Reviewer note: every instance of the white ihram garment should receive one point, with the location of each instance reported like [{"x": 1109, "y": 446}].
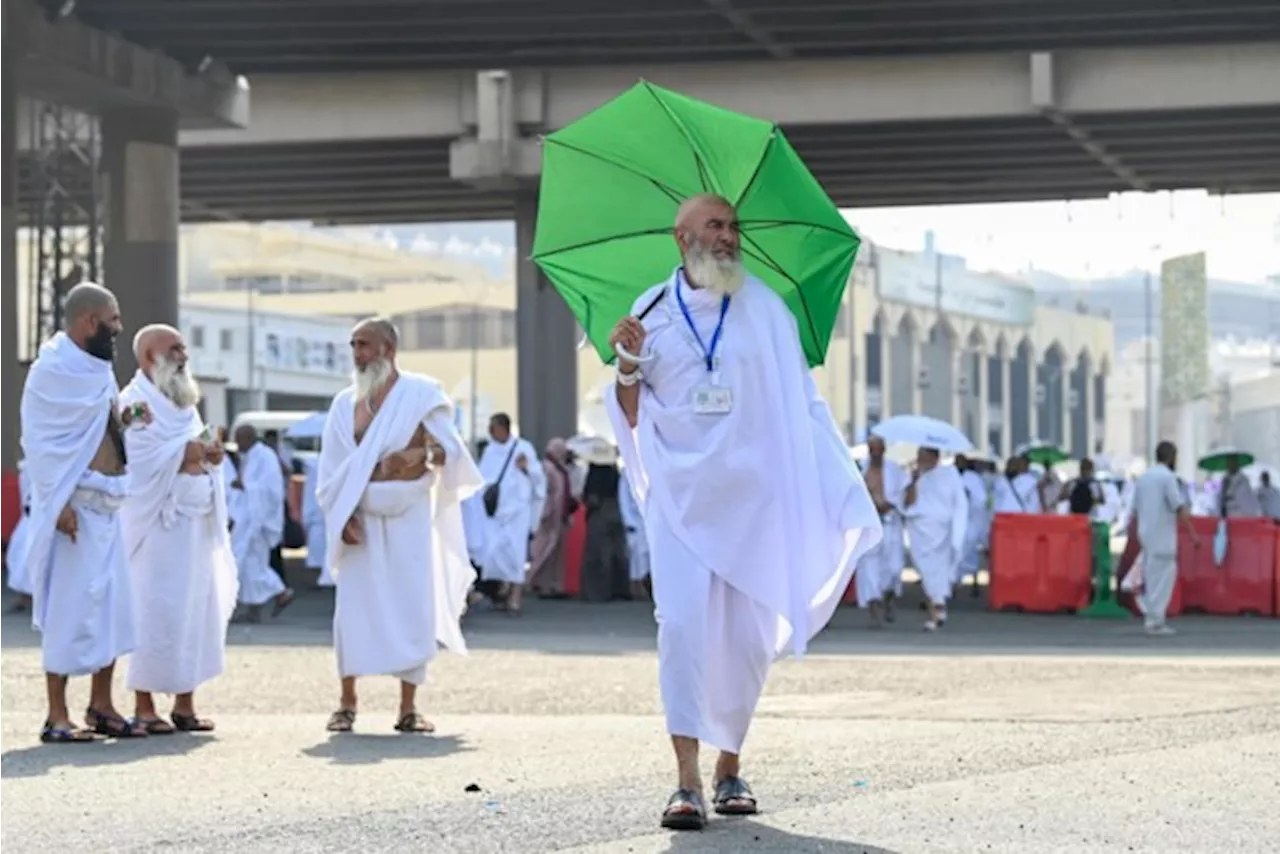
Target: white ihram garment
[
  {"x": 15, "y": 556},
  {"x": 880, "y": 569},
  {"x": 259, "y": 523},
  {"x": 747, "y": 559},
  {"x": 1018, "y": 495},
  {"x": 936, "y": 523},
  {"x": 403, "y": 590},
  {"x": 637, "y": 539},
  {"x": 978, "y": 525},
  {"x": 175, "y": 530},
  {"x": 81, "y": 601},
  {"x": 502, "y": 549},
  {"x": 313, "y": 522}
]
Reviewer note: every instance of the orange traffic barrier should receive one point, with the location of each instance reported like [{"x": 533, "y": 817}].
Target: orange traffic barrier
[
  {"x": 10, "y": 503},
  {"x": 1244, "y": 584},
  {"x": 1041, "y": 563},
  {"x": 575, "y": 546}
]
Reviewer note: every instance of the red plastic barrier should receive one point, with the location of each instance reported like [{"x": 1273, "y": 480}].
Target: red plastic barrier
[
  {"x": 575, "y": 544},
  {"x": 1244, "y": 584},
  {"x": 10, "y": 503},
  {"x": 1276, "y": 585},
  {"x": 1041, "y": 563}
]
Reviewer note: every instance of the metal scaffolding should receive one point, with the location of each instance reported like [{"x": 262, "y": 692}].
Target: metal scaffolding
[{"x": 63, "y": 220}]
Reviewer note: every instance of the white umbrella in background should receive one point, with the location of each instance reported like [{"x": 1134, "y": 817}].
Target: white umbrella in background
[
  {"x": 594, "y": 450},
  {"x": 923, "y": 432},
  {"x": 311, "y": 427}
]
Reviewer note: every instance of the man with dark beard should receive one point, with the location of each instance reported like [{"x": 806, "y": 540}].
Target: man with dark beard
[
  {"x": 73, "y": 444},
  {"x": 175, "y": 528}
]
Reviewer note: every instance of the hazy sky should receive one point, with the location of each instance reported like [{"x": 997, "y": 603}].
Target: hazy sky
[{"x": 1088, "y": 239}]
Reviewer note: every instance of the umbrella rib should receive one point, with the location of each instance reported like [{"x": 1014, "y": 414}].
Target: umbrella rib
[
  {"x": 764, "y": 155},
  {"x": 703, "y": 176},
  {"x": 764, "y": 258},
  {"x": 599, "y": 241},
  {"x": 670, "y": 192},
  {"x": 764, "y": 224}
]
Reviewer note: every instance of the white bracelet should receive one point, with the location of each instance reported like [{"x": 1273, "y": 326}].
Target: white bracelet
[{"x": 628, "y": 380}]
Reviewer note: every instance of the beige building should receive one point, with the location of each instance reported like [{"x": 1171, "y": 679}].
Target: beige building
[{"x": 977, "y": 351}]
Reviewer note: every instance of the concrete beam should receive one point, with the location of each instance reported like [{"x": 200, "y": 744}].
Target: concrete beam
[
  {"x": 411, "y": 104},
  {"x": 65, "y": 61}
]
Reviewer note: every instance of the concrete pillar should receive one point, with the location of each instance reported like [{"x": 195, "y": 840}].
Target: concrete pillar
[
  {"x": 141, "y": 195},
  {"x": 14, "y": 373},
  {"x": 1006, "y": 406},
  {"x": 546, "y": 352},
  {"x": 1090, "y": 435}
]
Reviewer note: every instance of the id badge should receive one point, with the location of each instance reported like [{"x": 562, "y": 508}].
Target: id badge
[{"x": 712, "y": 400}]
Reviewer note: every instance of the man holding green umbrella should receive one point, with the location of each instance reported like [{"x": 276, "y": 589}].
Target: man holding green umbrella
[{"x": 754, "y": 510}]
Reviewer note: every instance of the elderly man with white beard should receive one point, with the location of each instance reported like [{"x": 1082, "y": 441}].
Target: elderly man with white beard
[
  {"x": 392, "y": 475},
  {"x": 175, "y": 529},
  {"x": 754, "y": 510},
  {"x": 510, "y": 509},
  {"x": 257, "y": 525},
  {"x": 937, "y": 511},
  {"x": 73, "y": 445}
]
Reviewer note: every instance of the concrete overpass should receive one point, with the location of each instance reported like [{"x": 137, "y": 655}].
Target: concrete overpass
[{"x": 374, "y": 112}]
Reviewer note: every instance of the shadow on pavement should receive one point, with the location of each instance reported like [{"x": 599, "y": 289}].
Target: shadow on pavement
[
  {"x": 748, "y": 836},
  {"x": 40, "y": 759},
  {"x": 367, "y": 749}
]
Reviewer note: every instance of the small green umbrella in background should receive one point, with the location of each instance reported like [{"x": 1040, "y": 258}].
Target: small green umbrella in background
[
  {"x": 1042, "y": 452},
  {"x": 613, "y": 180},
  {"x": 1216, "y": 461}
]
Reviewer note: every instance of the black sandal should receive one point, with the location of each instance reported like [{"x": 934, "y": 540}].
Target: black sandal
[
  {"x": 342, "y": 720},
  {"x": 414, "y": 722},
  {"x": 685, "y": 811},
  {"x": 156, "y": 726},
  {"x": 733, "y": 797},
  {"x": 114, "y": 726},
  {"x": 191, "y": 723},
  {"x": 65, "y": 735},
  {"x": 278, "y": 608}
]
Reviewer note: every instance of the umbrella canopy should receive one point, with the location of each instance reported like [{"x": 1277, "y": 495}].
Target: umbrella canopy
[
  {"x": 595, "y": 450},
  {"x": 923, "y": 431},
  {"x": 311, "y": 427},
  {"x": 613, "y": 181},
  {"x": 1042, "y": 452},
  {"x": 1217, "y": 460}
]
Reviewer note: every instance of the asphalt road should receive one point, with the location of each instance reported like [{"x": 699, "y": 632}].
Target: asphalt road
[{"x": 1001, "y": 733}]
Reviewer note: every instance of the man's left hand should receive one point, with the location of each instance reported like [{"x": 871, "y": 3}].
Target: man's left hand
[
  {"x": 139, "y": 411},
  {"x": 522, "y": 462}
]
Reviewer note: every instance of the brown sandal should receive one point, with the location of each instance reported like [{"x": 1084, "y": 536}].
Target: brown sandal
[
  {"x": 191, "y": 723},
  {"x": 414, "y": 722},
  {"x": 156, "y": 726},
  {"x": 341, "y": 721}
]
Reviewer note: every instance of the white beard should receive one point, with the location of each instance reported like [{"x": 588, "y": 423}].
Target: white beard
[
  {"x": 370, "y": 380},
  {"x": 718, "y": 275},
  {"x": 176, "y": 383}
]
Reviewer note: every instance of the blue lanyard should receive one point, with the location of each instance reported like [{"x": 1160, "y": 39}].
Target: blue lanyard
[{"x": 707, "y": 354}]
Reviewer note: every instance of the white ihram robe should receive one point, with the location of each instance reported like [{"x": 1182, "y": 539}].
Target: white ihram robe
[
  {"x": 637, "y": 539},
  {"x": 403, "y": 590},
  {"x": 81, "y": 599},
  {"x": 936, "y": 523},
  {"x": 313, "y": 522},
  {"x": 977, "y": 527},
  {"x": 880, "y": 569},
  {"x": 755, "y": 517},
  {"x": 1018, "y": 495},
  {"x": 175, "y": 531},
  {"x": 501, "y": 542},
  {"x": 15, "y": 556},
  {"x": 259, "y": 523}
]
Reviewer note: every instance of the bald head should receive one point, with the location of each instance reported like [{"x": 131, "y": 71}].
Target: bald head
[
  {"x": 156, "y": 340},
  {"x": 162, "y": 356},
  {"x": 706, "y": 230},
  {"x": 373, "y": 351},
  {"x": 91, "y": 318}
]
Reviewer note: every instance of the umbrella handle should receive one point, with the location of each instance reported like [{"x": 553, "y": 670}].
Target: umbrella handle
[{"x": 631, "y": 357}]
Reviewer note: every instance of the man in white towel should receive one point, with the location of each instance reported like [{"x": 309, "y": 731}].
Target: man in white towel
[
  {"x": 878, "y": 579},
  {"x": 1019, "y": 491},
  {"x": 978, "y": 526},
  {"x": 257, "y": 526},
  {"x": 392, "y": 476},
  {"x": 313, "y": 522},
  {"x": 73, "y": 444},
  {"x": 15, "y": 552},
  {"x": 937, "y": 511},
  {"x": 175, "y": 531},
  {"x": 637, "y": 539},
  {"x": 754, "y": 509},
  {"x": 509, "y": 519}
]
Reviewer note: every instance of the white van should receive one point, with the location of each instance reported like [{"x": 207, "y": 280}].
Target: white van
[{"x": 262, "y": 421}]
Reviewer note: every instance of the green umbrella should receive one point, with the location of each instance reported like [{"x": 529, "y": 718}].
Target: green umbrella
[
  {"x": 1217, "y": 460},
  {"x": 1044, "y": 453},
  {"x": 613, "y": 180}
]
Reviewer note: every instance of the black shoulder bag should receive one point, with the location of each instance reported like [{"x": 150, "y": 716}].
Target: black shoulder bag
[{"x": 493, "y": 491}]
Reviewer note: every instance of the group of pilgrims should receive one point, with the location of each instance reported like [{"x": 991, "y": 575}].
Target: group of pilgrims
[{"x": 746, "y": 511}]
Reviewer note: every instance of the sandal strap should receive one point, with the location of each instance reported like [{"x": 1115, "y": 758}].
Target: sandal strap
[
  {"x": 733, "y": 789},
  {"x": 680, "y": 797},
  {"x": 347, "y": 715}
]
